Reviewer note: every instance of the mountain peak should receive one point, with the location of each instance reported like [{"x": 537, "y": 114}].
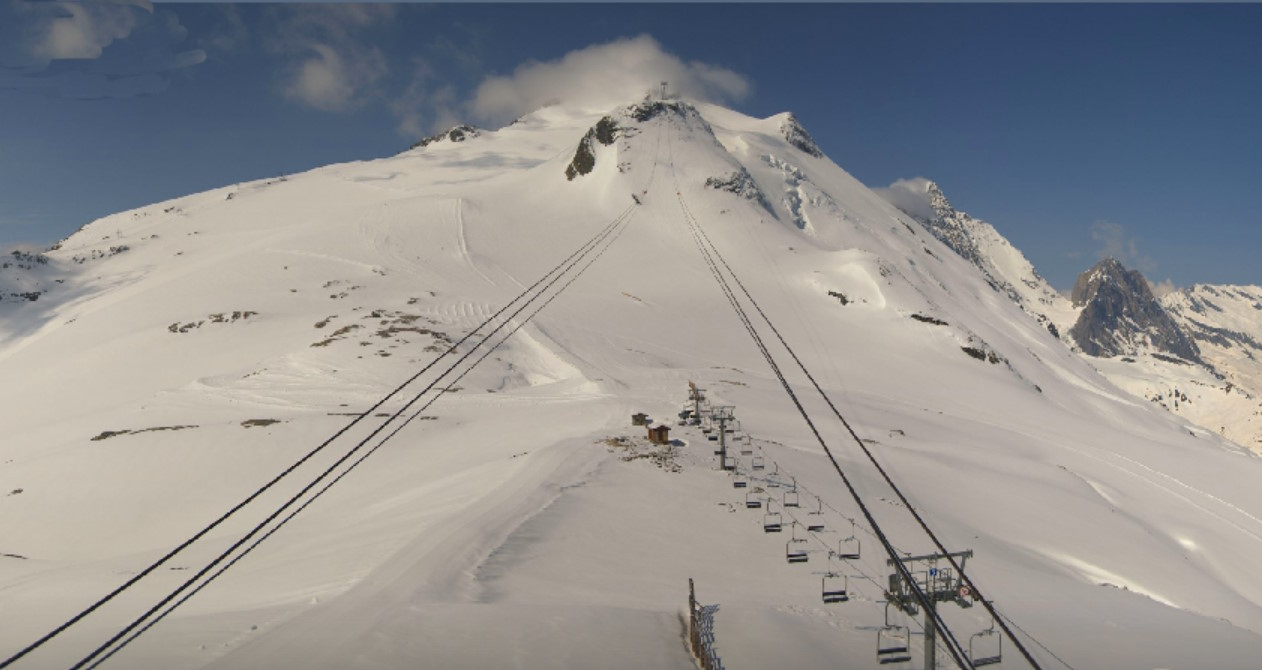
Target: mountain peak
[
  {"x": 797, "y": 136},
  {"x": 458, "y": 133},
  {"x": 921, "y": 198},
  {"x": 1121, "y": 316}
]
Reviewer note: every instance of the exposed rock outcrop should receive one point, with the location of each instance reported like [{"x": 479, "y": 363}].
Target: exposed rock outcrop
[
  {"x": 796, "y": 135},
  {"x": 1120, "y": 316},
  {"x": 458, "y": 133}
]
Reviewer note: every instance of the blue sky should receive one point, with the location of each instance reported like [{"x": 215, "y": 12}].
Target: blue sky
[{"x": 1076, "y": 130}]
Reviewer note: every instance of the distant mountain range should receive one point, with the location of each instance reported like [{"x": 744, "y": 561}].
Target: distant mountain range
[{"x": 1195, "y": 351}]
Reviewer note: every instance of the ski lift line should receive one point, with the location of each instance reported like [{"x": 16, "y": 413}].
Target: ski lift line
[
  {"x": 354, "y": 464},
  {"x": 956, "y": 650},
  {"x": 868, "y": 453},
  {"x": 624, "y": 217},
  {"x": 954, "y": 647},
  {"x": 584, "y": 249},
  {"x": 326, "y": 472}
]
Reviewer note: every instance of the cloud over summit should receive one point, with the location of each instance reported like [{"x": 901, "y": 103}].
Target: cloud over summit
[{"x": 601, "y": 76}]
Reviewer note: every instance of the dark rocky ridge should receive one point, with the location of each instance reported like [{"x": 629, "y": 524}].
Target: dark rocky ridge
[
  {"x": 458, "y": 133},
  {"x": 606, "y": 132},
  {"x": 798, "y": 137},
  {"x": 1120, "y": 316},
  {"x": 740, "y": 183},
  {"x": 957, "y": 230}
]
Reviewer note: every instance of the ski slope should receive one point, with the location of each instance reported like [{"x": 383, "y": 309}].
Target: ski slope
[{"x": 523, "y": 521}]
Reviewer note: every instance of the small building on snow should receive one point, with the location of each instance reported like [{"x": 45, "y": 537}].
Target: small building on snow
[{"x": 659, "y": 434}]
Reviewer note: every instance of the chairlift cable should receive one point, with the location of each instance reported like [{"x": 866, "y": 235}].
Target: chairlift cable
[
  {"x": 117, "y": 636},
  {"x": 617, "y": 224},
  {"x": 149, "y": 624},
  {"x": 885, "y": 475},
  {"x": 954, "y": 647},
  {"x": 288, "y": 470}
]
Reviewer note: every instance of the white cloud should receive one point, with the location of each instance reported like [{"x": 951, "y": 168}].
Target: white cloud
[
  {"x": 910, "y": 195},
  {"x": 333, "y": 80},
  {"x": 601, "y": 76},
  {"x": 84, "y": 30},
  {"x": 78, "y": 36},
  {"x": 1114, "y": 241},
  {"x": 331, "y": 65},
  {"x": 1162, "y": 288}
]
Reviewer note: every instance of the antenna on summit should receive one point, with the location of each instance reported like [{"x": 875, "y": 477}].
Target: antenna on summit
[{"x": 663, "y": 90}]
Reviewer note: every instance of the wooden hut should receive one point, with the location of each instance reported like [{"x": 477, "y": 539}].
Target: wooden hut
[
  {"x": 639, "y": 419},
  {"x": 659, "y": 434}
]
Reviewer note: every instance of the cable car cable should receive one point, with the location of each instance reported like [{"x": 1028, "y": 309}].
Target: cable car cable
[
  {"x": 954, "y": 646},
  {"x": 885, "y": 475},
  {"x": 306, "y": 457},
  {"x": 149, "y": 624},
  {"x": 117, "y": 636}
]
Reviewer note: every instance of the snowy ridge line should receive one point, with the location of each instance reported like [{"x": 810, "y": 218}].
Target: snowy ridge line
[
  {"x": 610, "y": 242},
  {"x": 622, "y": 218},
  {"x": 885, "y": 475},
  {"x": 572, "y": 259},
  {"x": 954, "y": 646}
]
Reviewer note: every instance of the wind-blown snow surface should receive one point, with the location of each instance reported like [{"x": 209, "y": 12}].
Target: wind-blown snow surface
[{"x": 508, "y": 529}]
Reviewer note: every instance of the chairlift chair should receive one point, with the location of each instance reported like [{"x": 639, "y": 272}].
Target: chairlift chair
[
  {"x": 758, "y": 463},
  {"x": 740, "y": 482},
  {"x": 815, "y": 520},
  {"x": 795, "y": 552},
  {"x": 747, "y": 445},
  {"x": 892, "y": 642},
  {"x": 772, "y": 522},
  {"x": 729, "y": 463},
  {"x": 834, "y": 588},
  {"x": 848, "y": 547},
  {"x": 985, "y": 647},
  {"x": 791, "y": 497},
  {"x": 752, "y": 501}
]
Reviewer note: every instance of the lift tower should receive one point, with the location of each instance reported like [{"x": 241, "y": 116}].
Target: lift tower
[
  {"x": 937, "y": 584},
  {"x": 723, "y": 415}
]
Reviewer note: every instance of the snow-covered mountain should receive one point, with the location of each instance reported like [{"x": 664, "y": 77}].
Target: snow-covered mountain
[
  {"x": 1005, "y": 268},
  {"x": 1120, "y": 316},
  {"x": 1149, "y": 347},
  {"x": 179, "y": 356}
]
